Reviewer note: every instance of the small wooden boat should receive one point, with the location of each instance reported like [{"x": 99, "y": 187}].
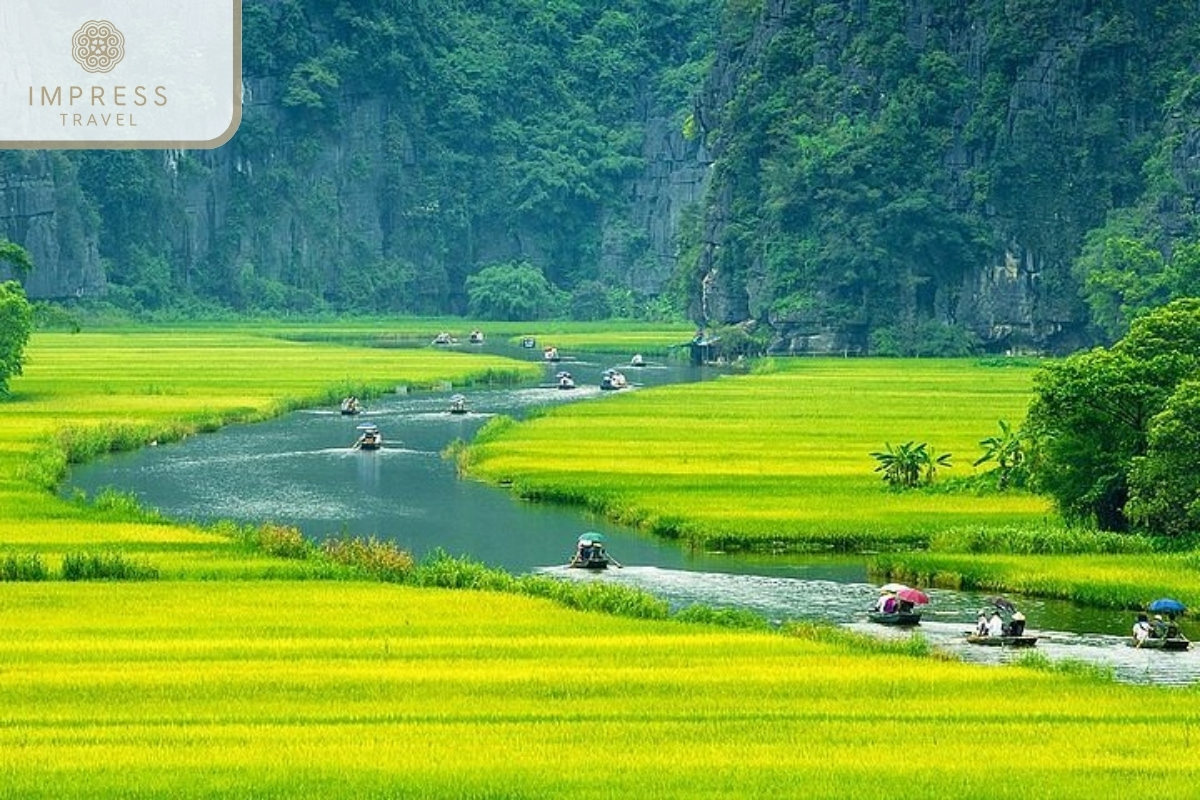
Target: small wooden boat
[
  {"x": 351, "y": 406},
  {"x": 590, "y": 553},
  {"x": 551, "y": 354},
  {"x": 529, "y": 343},
  {"x": 895, "y": 617},
  {"x": 590, "y": 561},
  {"x": 1002, "y": 641},
  {"x": 612, "y": 380},
  {"x": 637, "y": 360},
  {"x": 476, "y": 337},
  {"x": 443, "y": 338},
  {"x": 369, "y": 439},
  {"x": 1174, "y": 643},
  {"x": 458, "y": 404},
  {"x": 565, "y": 380}
]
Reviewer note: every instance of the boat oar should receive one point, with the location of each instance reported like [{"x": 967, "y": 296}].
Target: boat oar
[{"x": 614, "y": 561}]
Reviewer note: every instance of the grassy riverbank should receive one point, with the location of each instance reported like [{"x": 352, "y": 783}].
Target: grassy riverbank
[{"x": 235, "y": 673}]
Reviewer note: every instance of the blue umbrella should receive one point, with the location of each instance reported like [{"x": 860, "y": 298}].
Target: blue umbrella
[{"x": 1167, "y": 605}]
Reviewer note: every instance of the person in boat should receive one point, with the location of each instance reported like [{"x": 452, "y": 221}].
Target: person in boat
[
  {"x": 585, "y": 551},
  {"x": 1158, "y": 628},
  {"x": 1017, "y": 626},
  {"x": 1172, "y": 627},
  {"x": 995, "y": 626},
  {"x": 904, "y": 606},
  {"x": 981, "y": 625},
  {"x": 886, "y": 604},
  {"x": 1141, "y": 630}
]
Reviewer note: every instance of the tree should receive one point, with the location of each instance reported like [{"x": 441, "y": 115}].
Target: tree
[
  {"x": 1164, "y": 485},
  {"x": 16, "y": 323},
  {"x": 1091, "y": 414},
  {"x": 590, "y": 301},
  {"x": 17, "y": 257},
  {"x": 516, "y": 290}
]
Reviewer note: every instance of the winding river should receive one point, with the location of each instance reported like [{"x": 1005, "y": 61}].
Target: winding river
[{"x": 301, "y": 469}]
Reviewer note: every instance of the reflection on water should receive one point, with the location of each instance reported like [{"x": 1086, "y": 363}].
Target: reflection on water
[{"x": 300, "y": 470}]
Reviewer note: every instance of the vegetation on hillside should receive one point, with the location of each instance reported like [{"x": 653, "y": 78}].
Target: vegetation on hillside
[
  {"x": 909, "y": 178},
  {"x": 879, "y": 166},
  {"x": 473, "y": 135}
]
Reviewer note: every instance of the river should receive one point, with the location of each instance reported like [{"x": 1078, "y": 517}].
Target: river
[{"x": 300, "y": 469}]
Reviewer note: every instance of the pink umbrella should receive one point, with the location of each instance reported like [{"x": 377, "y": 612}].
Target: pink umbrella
[{"x": 914, "y": 596}]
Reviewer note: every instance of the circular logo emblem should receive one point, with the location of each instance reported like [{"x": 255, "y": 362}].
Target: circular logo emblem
[{"x": 98, "y": 46}]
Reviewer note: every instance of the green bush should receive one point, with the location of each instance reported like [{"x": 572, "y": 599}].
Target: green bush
[
  {"x": 609, "y": 598},
  {"x": 445, "y": 571},
  {"x": 23, "y": 568},
  {"x": 724, "y": 617},
  {"x": 105, "y": 567},
  {"x": 283, "y": 541},
  {"x": 379, "y": 559}
]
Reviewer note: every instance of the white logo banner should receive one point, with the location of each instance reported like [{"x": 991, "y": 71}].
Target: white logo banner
[{"x": 119, "y": 73}]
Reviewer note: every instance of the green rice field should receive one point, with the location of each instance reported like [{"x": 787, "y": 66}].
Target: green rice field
[
  {"x": 238, "y": 674},
  {"x": 778, "y": 459}
]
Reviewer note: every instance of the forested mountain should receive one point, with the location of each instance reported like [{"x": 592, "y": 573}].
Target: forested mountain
[
  {"x": 893, "y": 176},
  {"x": 922, "y": 175}
]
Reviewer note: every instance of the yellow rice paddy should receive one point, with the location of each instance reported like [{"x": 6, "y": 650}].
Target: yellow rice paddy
[{"x": 220, "y": 681}]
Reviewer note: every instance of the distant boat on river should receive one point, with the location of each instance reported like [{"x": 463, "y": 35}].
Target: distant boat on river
[
  {"x": 369, "y": 438},
  {"x": 565, "y": 380},
  {"x": 458, "y": 404},
  {"x": 350, "y": 406},
  {"x": 895, "y": 617},
  {"x": 613, "y": 379},
  {"x": 590, "y": 553},
  {"x": 1002, "y": 641},
  {"x": 1174, "y": 643}
]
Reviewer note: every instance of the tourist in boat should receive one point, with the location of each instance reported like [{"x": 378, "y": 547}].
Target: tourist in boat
[
  {"x": 1141, "y": 630},
  {"x": 1172, "y": 626},
  {"x": 981, "y": 625},
  {"x": 1158, "y": 628},
  {"x": 1017, "y": 626},
  {"x": 995, "y": 626},
  {"x": 886, "y": 604}
]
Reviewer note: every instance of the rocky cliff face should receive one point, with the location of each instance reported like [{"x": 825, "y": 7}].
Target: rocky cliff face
[{"x": 42, "y": 209}]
